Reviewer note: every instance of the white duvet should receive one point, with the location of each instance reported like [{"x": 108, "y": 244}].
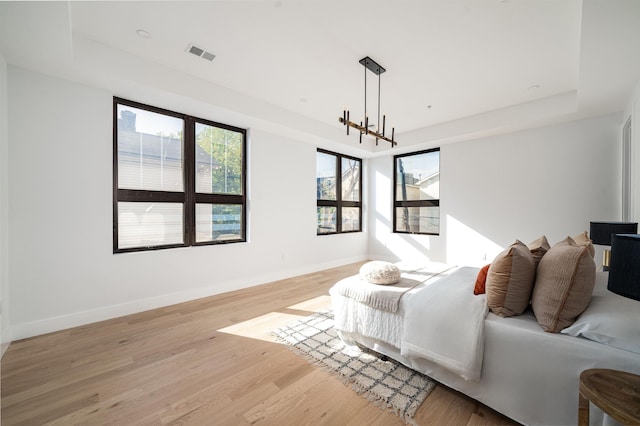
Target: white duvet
[{"x": 444, "y": 323}]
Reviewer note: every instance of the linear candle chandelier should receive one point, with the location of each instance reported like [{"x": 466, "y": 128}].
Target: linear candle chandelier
[{"x": 363, "y": 129}]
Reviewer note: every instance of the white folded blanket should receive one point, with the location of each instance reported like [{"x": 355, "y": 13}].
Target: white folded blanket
[
  {"x": 444, "y": 322},
  {"x": 387, "y": 297}
]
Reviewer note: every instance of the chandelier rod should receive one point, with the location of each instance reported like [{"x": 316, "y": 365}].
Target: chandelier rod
[
  {"x": 366, "y": 117},
  {"x": 378, "y": 124}
]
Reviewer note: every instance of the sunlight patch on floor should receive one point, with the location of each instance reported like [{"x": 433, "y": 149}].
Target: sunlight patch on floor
[
  {"x": 260, "y": 327},
  {"x": 316, "y": 304}
]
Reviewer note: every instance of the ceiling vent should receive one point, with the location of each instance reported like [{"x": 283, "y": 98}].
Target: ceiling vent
[{"x": 198, "y": 51}]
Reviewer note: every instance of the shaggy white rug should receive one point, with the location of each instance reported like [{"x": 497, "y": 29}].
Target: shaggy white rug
[{"x": 381, "y": 380}]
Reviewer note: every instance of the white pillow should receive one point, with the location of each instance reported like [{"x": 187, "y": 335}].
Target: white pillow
[
  {"x": 380, "y": 272},
  {"x": 609, "y": 319}
]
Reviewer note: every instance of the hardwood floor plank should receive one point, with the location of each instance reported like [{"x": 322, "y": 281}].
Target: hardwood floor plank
[
  {"x": 207, "y": 361},
  {"x": 445, "y": 406},
  {"x": 100, "y": 408}
]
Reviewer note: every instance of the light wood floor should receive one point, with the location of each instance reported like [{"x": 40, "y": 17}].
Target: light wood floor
[{"x": 206, "y": 362}]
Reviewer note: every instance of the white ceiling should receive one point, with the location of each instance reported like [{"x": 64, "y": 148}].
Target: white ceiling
[{"x": 454, "y": 67}]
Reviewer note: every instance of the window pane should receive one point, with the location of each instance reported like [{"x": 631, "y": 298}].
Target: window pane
[
  {"x": 418, "y": 177},
  {"x": 350, "y": 219},
  {"x": 350, "y": 179},
  {"x": 326, "y": 220},
  {"x": 149, "y": 224},
  {"x": 218, "y": 160},
  {"x": 325, "y": 176},
  {"x": 424, "y": 220},
  {"x": 149, "y": 150},
  {"x": 218, "y": 222}
]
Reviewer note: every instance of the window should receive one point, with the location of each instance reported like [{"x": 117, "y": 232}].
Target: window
[
  {"x": 416, "y": 208},
  {"x": 177, "y": 180},
  {"x": 339, "y": 193}
]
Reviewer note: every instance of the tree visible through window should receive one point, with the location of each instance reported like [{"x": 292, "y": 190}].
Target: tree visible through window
[
  {"x": 338, "y": 193},
  {"x": 417, "y": 193},
  {"x": 178, "y": 180}
]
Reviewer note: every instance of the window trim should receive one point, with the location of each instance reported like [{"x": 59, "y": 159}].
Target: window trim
[
  {"x": 411, "y": 203},
  {"x": 338, "y": 203},
  {"x": 188, "y": 197}
]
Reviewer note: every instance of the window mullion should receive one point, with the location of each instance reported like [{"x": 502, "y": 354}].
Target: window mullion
[
  {"x": 218, "y": 198},
  {"x": 351, "y": 204},
  {"x": 417, "y": 203},
  {"x": 338, "y": 193},
  {"x": 149, "y": 196},
  {"x": 114, "y": 160},
  {"x": 188, "y": 144}
]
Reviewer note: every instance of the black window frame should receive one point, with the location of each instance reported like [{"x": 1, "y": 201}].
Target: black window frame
[
  {"x": 338, "y": 203},
  {"x": 411, "y": 203},
  {"x": 188, "y": 197}
]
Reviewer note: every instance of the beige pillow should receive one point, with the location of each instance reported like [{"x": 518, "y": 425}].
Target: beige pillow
[
  {"x": 583, "y": 239},
  {"x": 564, "y": 283},
  {"x": 380, "y": 272},
  {"x": 538, "y": 248},
  {"x": 510, "y": 280}
]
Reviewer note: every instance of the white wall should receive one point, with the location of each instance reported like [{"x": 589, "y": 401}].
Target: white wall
[
  {"x": 552, "y": 180},
  {"x": 5, "y": 336},
  {"x": 63, "y": 272}
]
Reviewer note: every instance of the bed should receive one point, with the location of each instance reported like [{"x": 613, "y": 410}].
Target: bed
[{"x": 521, "y": 371}]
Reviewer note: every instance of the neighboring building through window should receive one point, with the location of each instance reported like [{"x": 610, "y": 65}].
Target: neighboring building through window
[
  {"x": 177, "y": 180},
  {"x": 338, "y": 193},
  {"x": 417, "y": 192}
]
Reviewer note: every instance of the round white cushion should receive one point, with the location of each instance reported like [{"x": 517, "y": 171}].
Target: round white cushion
[{"x": 380, "y": 272}]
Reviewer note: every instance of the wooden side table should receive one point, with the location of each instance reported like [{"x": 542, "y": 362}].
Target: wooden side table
[{"x": 617, "y": 393}]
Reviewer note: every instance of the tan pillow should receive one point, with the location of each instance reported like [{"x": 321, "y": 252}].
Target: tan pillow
[
  {"x": 510, "y": 280},
  {"x": 538, "y": 248},
  {"x": 564, "y": 284},
  {"x": 583, "y": 239}
]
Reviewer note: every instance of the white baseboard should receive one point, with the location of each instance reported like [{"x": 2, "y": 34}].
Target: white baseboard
[
  {"x": 63, "y": 322},
  {"x": 5, "y": 336}
]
